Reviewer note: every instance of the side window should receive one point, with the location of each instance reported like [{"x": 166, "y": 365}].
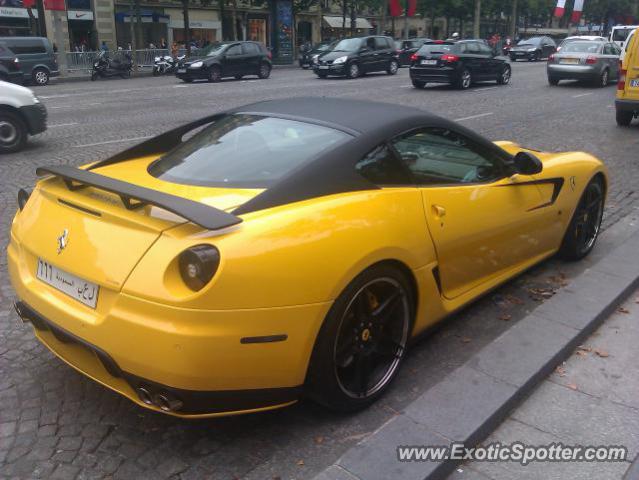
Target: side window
[
  {"x": 472, "y": 47},
  {"x": 250, "y": 49},
  {"x": 29, "y": 47},
  {"x": 234, "y": 50},
  {"x": 437, "y": 156},
  {"x": 381, "y": 167},
  {"x": 370, "y": 43},
  {"x": 485, "y": 50}
]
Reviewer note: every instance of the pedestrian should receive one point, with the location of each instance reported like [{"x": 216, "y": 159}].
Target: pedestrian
[
  {"x": 163, "y": 44},
  {"x": 174, "y": 50},
  {"x": 104, "y": 47}
]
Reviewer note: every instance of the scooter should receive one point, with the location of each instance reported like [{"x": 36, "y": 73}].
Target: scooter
[
  {"x": 106, "y": 67},
  {"x": 166, "y": 64}
]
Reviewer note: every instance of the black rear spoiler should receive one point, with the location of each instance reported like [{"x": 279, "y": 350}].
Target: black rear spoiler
[{"x": 133, "y": 197}]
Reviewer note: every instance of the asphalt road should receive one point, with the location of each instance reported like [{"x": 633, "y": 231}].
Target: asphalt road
[{"x": 54, "y": 423}]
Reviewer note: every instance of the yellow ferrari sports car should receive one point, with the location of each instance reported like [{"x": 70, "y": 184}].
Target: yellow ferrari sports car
[{"x": 283, "y": 249}]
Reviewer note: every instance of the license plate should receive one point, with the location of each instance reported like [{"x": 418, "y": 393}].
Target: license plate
[
  {"x": 75, "y": 287},
  {"x": 634, "y": 83},
  {"x": 569, "y": 61},
  {"x": 181, "y": 70},
  {"x": 428, "y": 62},
  {"x": 323, "y": 67}
]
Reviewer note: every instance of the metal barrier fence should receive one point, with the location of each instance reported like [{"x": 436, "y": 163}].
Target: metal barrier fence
[{"x": 78, "y": 62}]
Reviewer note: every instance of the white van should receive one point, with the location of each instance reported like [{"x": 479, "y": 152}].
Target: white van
[
  {"x": 624, "y": 48},
  {"x": 21, "y": 114},
  {"x": 619, "y": 34}
]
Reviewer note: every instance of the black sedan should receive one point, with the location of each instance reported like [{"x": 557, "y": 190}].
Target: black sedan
[
  {"x": 533, "y": 49},
  {"x": 233, "y": 59},
  {"x": 306, "y": 56},
  {"x": 457, "y": 63}
]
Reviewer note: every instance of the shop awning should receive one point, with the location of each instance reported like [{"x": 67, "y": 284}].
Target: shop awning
[
  {"x": 336, "y": 22},
  {"x": 145, "y": 15}
]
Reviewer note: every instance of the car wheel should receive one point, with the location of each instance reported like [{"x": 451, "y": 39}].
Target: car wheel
[
  {"x": 353, "y": 70},
  {"x": 265, "y": 71},
  {"x": 40, "y": 77},
  {"x": 363, "y": 340},
  {"x": 239, "y": 77},
  {"x": 215, "y": 74},
  {"x": 553, "y": 81},
  {"x": 13, "y": 132},
  {"x": 393, "y": 66},
  {"x": 604, "y": 79},
  {"x": 418, "y": 84},
  {"x": 504, "y": 78},
  {"x": 465, "y": 79},
  {"x": 584, "y": 227},
  {"x": 322, "y": 74},
  {"x": 94, "y": 76},
  {"x": 624, "y": 118}
]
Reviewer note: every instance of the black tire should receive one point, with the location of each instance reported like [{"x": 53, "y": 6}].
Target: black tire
[
  {"x": 604, "y": 79},
  {"x": 553, "y": 81},
  {"x": 585, "y": 224},
  {"x": 342, "y": 371},
  {"x": 624, "y": 119},
  {"x": 215, "y": 74},
  {"x": 264, "y": 71},
  {"x": 353, "y": 70},
  {"x": 393, "y": 66},
  {"x": 13, "y": 132},
  {"x": 187, "y": 80},
  {"x": 239, "y": 77},
  {"x": 418, "y": 83},
  {"x": 94, "y": 76},
  {"x": 504, "y": 76},
  {"x": 40, "y": 77},
  {"x": 465, "y": 80}
]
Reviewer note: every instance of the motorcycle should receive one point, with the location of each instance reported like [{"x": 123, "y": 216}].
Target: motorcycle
[
  {"x": 166, "y": 64},
  {"x": 105, "y": 67}
]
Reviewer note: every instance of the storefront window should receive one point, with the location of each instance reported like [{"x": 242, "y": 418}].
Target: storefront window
[{"x": 257, "y": 30}]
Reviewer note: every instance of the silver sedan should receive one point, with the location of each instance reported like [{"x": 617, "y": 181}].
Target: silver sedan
[{"x": 593, "y": 61}]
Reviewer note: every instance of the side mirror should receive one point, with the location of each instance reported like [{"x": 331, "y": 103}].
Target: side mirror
[
  {"x": 527, "y": 164},
  {"x": 363, "y": 49}
]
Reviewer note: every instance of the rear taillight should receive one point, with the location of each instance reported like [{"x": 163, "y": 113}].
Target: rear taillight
[
  {"x": 198, "y": 264},
  {"x": 438, "y": 42},
  {"x": 413, "y": 57},
  {"x": 591, "y": 60},
  {"x": 621, "y": 83},
  {"x": 449, "y": 58},
  {"x": 270, "y": 55}
]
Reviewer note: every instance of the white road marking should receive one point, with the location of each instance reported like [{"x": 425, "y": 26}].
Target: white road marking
[
  {"x": 62, "y": 125},
  {"x": 113, "y": 141},
  {"x": 180, "y": 86},
  {"x": 582, "y": 95},
  {"x": 483, "y": 89},
  {"x": 473, "y": 116}
]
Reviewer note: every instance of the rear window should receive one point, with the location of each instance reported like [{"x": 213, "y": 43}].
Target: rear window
[
  {"x": 582, "y": 47},
  {"x": 440, "y": 48},
  {"x": 621, "y": 34},
  {"x": 245, "y": 151}
]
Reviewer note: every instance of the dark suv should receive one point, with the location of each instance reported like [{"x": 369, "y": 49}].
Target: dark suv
[
  {"x": 9, "y": 65},
  {"x": 458, "y": 63},
  {"x": 36, "y": 56},
  {"x": 353, "y": 57},
  {"x": 229, "y": 59}
]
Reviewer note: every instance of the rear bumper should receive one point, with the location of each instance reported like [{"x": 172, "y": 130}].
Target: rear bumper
[
  {"x": 576, "y": 72},
  {"x": 627, "y": 105},
  {"x": 35, "y": 117},
  {"x": 215, "y": 362},
  {"x": 433, "y": 75}
]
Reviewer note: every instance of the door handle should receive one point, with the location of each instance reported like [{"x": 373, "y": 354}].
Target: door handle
[{"x": 439, "y": 213}]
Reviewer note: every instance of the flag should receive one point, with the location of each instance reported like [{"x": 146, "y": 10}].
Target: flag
[
  {"x": 395, "y": 8},
  {"x": 54, "y": 5},
  {"x": 576, "y": 11},
  {"x": 560, "y": 8},
  {"x": 412, "y": 8}
]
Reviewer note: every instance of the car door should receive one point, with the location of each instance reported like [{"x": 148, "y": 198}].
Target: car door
[
  {"x": 232, "y": 63},
  {"x": 548, "y": 47},
  {"x": 252, "y": 57},
  {"x": 482, "y": 220},
  {"x": 473, "y": 60},
  {"x": 383, "y": 53},
  {"x": 368, "y": 55},
  {"x": 488, "y": 62}
]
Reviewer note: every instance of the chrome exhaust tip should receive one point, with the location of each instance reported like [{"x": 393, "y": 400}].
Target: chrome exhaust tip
[
  {"x": 167, "y": 404},
  {"x": 144, "y": 395}
]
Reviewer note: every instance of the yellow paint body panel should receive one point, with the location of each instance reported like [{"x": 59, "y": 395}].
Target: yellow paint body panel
[
  {"x": 631, "y": 65},
  {"x": 280, "y": 271}
]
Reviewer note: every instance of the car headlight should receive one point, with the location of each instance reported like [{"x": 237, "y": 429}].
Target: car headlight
[
  {"x": 531, "y": 50},
  {"x": 340, "y": 60},
  {"x": 198, "y": 264},
  {"x": 196, "y": 65},
  {"x": 35, "y": 99},
  {"x": 315, "y": 58}
]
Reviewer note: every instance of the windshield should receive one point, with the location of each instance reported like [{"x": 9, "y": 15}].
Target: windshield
[
  {"x": 322, "y": 47},
  {"x": 213, "y": 49},
  {"x": 530, "y": 41},
  {"x": 245, "y": 151},
  {"x": 347, "y": 45},
  {"x": 582, "y": 47},
  {"x": 620, "y": 34}
]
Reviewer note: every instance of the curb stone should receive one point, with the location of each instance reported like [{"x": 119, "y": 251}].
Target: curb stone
[{"x": 472, "y": 401}]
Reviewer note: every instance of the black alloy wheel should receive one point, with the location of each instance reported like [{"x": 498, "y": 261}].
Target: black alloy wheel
[
  {"x": 352, "y": 70},
  {"x": 264, "y": 71},
  {"x": 393, "y": 66},
  {"x": 465, "y": 80},
  {"x": 215, "y": 73},
  {"x": 584, "y": 227},
  {"x": 13, "y": 132},
  {"x": 363, "y": 340},
  {"x": 504, "y": 77},
  {"x": 604, "y": 78},
  {"x": 40, "y": 77}
]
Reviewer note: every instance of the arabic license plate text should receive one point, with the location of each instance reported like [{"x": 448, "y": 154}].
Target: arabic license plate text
[{"x": 75, "y": 287}]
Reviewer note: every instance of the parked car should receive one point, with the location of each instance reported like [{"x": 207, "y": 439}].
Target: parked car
[
  {"x": 594, "y": 61},
  {"x": 228, "y": 59},
  {"x": 352, "y": 57},
  {"x": 406, "y": 48},
  {"x": 533, "y": 49},
  {"x": 306, "y": 56},
  {"x": 619, "y": 33},
  {"x": 580, "y": 38},
  {"x": 9, "y": 65},
  {"x": 21, "y": 115},
  {"x": 311, "y": 239},
  {"x": 36, "y": 56},
  {"x": 627, "y": 101},
  {"x": 458, "y": 63}
]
